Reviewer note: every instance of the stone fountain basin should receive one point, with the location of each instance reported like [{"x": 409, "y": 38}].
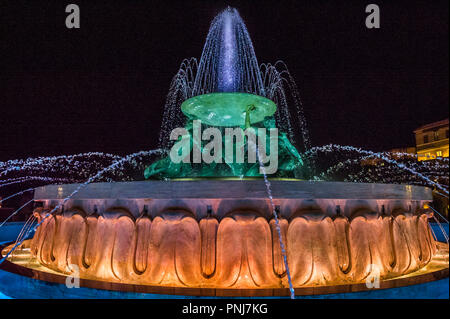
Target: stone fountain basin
[
  {"x": 226, "y": 195},
  {"x": 220, "y": 234}
]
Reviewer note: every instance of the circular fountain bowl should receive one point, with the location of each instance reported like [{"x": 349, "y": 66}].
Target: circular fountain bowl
[
  {"x": 219, "y": 237},
  {"x": 227, "y": 109}
]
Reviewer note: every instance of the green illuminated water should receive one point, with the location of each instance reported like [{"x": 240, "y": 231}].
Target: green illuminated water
[{"x": 228, "y": 109}]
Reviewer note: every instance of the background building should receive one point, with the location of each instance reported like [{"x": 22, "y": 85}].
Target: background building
[{"x": 432, "y": 140}]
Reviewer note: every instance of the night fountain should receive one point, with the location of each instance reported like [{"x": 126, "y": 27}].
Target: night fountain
[{"x": 230, "y": 229}]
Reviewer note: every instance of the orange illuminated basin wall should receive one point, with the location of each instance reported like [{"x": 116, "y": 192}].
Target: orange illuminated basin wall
[{"x": 221, "y": 234}]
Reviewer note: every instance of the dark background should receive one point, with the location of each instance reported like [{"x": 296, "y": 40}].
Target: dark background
[{"x": 103, "y": 87}]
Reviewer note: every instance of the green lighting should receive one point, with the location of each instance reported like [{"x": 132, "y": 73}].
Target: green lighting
[{"x": 228, "y": 109}]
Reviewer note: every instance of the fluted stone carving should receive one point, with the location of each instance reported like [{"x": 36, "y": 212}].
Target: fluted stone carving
[{"x": 240, "y": 249}]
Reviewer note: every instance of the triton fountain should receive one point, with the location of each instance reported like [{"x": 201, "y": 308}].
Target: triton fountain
[{"x": 228, "y": 228}]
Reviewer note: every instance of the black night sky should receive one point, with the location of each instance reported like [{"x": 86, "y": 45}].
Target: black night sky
[{"x": 103, "y": 87}]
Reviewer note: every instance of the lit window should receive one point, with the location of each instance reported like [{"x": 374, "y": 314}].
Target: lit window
[
  {"x": 439, "y": 153},
  {"x": 436, "y": 135}
]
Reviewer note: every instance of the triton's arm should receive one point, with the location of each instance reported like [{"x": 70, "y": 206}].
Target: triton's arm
[{"x": 249, "y": 108}]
